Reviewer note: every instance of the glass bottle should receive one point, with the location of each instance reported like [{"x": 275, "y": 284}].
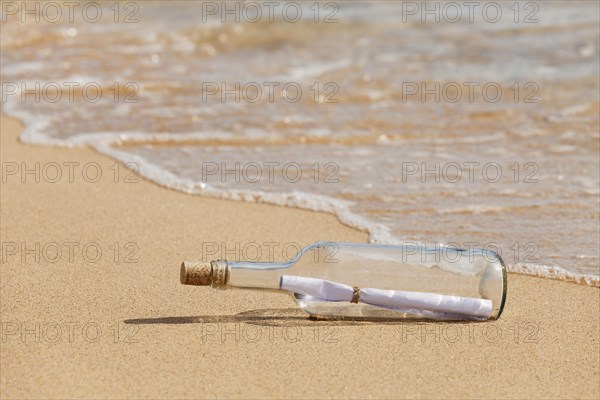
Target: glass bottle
[{"x": 354, "y": 280}]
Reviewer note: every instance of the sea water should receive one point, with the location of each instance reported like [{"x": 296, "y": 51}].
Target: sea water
[{"x": 425, "y": 122}]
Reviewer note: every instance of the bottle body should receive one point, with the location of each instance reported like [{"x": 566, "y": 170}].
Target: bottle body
[{"x": 353, "y": 280}]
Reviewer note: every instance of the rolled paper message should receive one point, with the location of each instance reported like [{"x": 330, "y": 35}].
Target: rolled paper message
[
  {"x": 320, "y": 288},
  {"x": 394, "y": 299}
]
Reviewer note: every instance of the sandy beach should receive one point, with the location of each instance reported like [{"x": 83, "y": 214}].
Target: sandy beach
[{"x": 80, "y": 324}]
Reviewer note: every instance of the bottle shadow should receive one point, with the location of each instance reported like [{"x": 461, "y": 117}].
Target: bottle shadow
[{"x": 279, "y": 317}]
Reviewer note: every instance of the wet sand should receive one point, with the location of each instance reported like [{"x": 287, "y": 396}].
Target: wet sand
[{"x": 120, "y": 325}]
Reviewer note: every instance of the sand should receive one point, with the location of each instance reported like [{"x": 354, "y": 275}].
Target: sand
[{"x": 124, "y": 327}]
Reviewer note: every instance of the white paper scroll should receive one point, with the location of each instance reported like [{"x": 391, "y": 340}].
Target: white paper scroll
[{"x": 392, "y": 299}]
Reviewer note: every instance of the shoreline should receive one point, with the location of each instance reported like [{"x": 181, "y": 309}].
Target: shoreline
[
  {"x": 159, "y": 339},
  {"x": 298, "y": 200}
]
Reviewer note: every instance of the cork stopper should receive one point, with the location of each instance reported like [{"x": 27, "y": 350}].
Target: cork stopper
[{"x": 196, "y": 273}]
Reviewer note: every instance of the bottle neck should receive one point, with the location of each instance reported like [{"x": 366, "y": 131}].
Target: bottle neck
[
  {"x": 256, "y": 275},
  {"x": 222, "y": 274}
]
